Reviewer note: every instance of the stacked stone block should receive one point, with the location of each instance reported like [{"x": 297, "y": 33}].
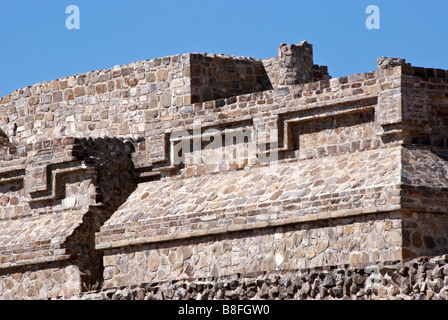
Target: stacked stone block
[
  {"x": 324, "y": 172},
  {"x": 418, "y": 279}
]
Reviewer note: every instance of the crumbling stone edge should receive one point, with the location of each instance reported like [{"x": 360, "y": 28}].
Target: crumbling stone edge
[{"x": 423, "y": 278}]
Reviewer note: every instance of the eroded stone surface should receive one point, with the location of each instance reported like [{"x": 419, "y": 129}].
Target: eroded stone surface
[
  {"x": 418, "y": 279},
  {"x": 286, "y": 169}
]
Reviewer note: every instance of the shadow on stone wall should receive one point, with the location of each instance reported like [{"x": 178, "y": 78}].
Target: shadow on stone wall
[{"x": 114, "y": 182}]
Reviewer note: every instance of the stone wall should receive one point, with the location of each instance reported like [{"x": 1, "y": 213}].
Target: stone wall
[
  {"x": 95, "y": 102},
  {"x": 354, "y": 241},
  {"x": 424, "y": 234},
  {"x": 56, "y": 280},
  {"x": 215, "y": 77},
  {"x": 201, "y": 166},
  {"x": 419, "y": 279},
  {"x": 123, "y": 101},
  {"x": 343, "y": 241},
  {"x": 294, "y": 65}
]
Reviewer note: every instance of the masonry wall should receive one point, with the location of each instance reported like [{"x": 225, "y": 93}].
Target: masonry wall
[
  {"x": 341, "y": 129},
  {"x": 57, "y": 280},
  {"x": 354, "y": 124},
  {"x": 267, "y": 113},
  {"x": 425, "y": 105},
  {"x": 62, "y": 172},
  {"x": 418, "y": 279},
  {"x": 424, "y": 234},
  {"x": 321, "y": 172},
  {"x": 122, "y": 101},
  {"x": 51, "y": 211},
  {"x": 351, "y": 241},
  {"x": 294, "y": 65},
  {"x": 215, "y": 77}
]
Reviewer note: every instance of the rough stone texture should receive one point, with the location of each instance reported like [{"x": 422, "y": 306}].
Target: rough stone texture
[
  {"x": 419, "y": 279},
  {"x": 294, "y": 65},
  {"x": 55, "y": 280},
  {"x": 310, "y": 244},
  {"x": 56, "y": 215},
  {"x": 204, "y": 166}
]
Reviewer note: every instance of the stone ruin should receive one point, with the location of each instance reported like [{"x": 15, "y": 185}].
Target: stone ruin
[{"x": 203, "y": 166}]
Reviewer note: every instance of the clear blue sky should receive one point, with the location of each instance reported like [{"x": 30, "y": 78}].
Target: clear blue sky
[{"x": 35, "y": 44}]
